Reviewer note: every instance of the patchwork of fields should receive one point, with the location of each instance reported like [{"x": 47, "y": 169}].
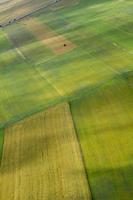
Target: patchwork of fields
[
  {"x": 102, "y": 48},
  {"x": 72, "y": 52}
]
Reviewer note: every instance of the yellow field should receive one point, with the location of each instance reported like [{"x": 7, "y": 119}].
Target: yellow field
[{"x": 42, "y": 160}]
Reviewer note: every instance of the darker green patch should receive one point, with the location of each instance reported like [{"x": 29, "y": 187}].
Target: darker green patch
[
  {"x": 19, "y": 35},
  {"x": 103, "y": 120},
  {"x": 112, "y": 183},
  {"x": 124, "y": 79}
]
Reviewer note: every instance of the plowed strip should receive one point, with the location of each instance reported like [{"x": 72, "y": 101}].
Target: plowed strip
[
  {"x": 57, "y": 43},
  {"x": 42, "y": 160}
]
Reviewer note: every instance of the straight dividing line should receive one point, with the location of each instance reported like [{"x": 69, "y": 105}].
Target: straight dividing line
[
  {"x": 63, "y": 98},
  {"x": 20, "y": 53},
  {"x": 26, "y": 60},
  {"x": 69, "y": 98},
  {"x": 31, "y": 13},
  {"x": 43, "y": 77},
  {"x": 60, "y": 98},
  {"x": 25, "y": 115},
  {"x": 81, "y": 153},
  {"x": 49, "y": 82},
  {"x": 1, "y": 156}
]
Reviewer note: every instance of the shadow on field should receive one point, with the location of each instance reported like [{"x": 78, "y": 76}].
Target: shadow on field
[
  {"x": 115, "y": 183},
  {"x": 117, "y": 83},
  {"x": 116, "y": 128},
  {"x": 69, "y": 197},
  {"x": 28, "y": 150},
  {"x": 121, "y": 32},
  {"x": 19, "y": 36}
]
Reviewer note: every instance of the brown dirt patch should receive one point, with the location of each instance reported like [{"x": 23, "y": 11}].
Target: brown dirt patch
[{"x": 57, "y": 43}]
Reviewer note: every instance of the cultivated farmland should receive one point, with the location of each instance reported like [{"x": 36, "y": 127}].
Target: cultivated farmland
[
  {"x": 55, "y": 53},
  {"x": 10, "y": 10},
  {"x": 102, "y": 49},
  {"x": 104, "y": 123},
  {"x": 42, "y": 159},
  {"x": 49, "y": 38}
]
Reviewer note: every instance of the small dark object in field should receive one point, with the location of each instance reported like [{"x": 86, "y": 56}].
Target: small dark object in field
[{"x": 65, "y": 45}]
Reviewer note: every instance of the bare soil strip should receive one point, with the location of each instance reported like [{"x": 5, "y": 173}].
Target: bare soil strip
[
  {"x": 57, "y": 43},
  {"x": 42, "y": 160}
]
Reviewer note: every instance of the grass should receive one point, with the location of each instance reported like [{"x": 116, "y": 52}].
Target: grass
[
  {"x": 42, "y": 158},
  {"x": 103, "y": 49},
  {"x": 104, "y": 124}
]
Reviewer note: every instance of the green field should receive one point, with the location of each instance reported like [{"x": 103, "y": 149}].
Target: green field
[
  {"x": 81, "y": 52},
  {"x": 104, "y": 124},
  {"x": 101, "y": 51}
]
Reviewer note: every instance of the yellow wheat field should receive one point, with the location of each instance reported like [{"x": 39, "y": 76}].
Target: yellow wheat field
[{"x": 42, "y": 160}]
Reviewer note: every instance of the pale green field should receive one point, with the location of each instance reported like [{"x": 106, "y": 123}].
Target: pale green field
[{"x": 104, "y": 124}]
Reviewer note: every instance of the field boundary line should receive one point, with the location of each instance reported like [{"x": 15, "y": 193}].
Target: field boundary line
[
  {"x": 61, "y": 99},
  {"x": 81, "y": 152},
  {"x": 20, "y": 53},
  {"x": 2, "y": 131},
  {"x": 31, "y": 13},
  {"x": 49, "y": 82}
]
